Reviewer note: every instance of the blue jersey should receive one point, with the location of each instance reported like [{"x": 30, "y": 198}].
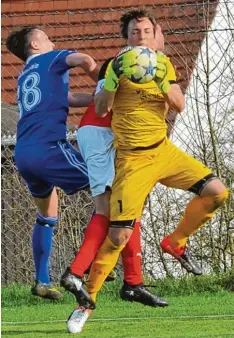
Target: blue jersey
[{"x": 43, "y": 98}]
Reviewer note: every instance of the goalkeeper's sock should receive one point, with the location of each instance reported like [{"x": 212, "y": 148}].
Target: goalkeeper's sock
[
  {"x": 104, "y": 262},
  {"x": 42, "y": 239},
  {"x": 199, "y": 210},
  {"x": 95, "y": 234},
  {"x": 131, "y": 257}
]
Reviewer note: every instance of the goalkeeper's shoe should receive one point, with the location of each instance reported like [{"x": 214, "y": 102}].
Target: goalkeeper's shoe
[
  {"x": 182, "y": 255},
  {"x": 46, "y": 291},
  {"x": 74, "y": 284},
  {"x": 139, "y": 293},
  {"x": 77, "y": 319}
]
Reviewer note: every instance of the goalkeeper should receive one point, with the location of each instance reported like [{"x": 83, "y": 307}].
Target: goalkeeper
[{"x": 145, "y": 156}]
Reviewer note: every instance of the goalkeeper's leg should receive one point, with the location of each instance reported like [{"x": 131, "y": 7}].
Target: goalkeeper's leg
[
  {"x": 133, "y": 289},
  {"x": 108, "y": 255},
  {"x": 119, "y": 234},
  {"x": 95, "y": 234},
  {"x": 199, "y": 210}
]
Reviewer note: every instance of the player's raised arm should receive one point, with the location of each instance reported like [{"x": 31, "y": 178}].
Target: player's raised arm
[
  {"x": 108, "y": 83},
  {"x": 84, "y": 61},
  {"x": 103, "y": 102},
  {"x": 79, "y": 100}
]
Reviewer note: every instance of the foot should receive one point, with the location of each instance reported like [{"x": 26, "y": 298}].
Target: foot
[
  {"x": 74, "y": 284},
  {"x": 77, "y": 319},
  {"x": 139, "y": 293},
  {"x": 46, "y": 291},
  {"x": 182, "y": 255}
]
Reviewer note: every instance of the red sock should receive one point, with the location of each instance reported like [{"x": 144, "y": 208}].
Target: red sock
[
  {"x": 131, "y": 257},
  {"x": 95, "y": 234}
]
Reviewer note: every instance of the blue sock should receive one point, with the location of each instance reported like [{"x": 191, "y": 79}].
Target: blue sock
[
  {"x": 42, "y": 244},
  {"x": 36, "y": 248}
]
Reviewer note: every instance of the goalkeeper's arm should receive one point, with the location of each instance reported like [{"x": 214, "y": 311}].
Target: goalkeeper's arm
[
  {"x": 170, "y": 121},
  {"x": 165, "y": 78},
  {"x": 175, "y": 98}
]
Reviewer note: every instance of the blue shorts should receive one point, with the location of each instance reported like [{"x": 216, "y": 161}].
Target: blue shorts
[
  {"x": 54, "y": 164},
  {"x": 96, "y": 147}
]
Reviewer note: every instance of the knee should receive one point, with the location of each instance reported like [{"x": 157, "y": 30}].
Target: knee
[
  {"x": 220, "y": 198},
  {"x": 214, "y": 201},
  {"x": 119, "y": 239},
  {"x": 119, "y": 236}
]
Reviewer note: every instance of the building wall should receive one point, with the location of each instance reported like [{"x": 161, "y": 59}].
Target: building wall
[{"x": 92, "y": 27}]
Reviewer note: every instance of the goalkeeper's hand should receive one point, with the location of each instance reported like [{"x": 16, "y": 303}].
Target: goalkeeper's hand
[
  {"x": 120, "y": 66},
  {"x": 161, "y": 72},
  {"x": 112, "y": 79},
  {"x": 125, "y": 61},
  {"x": 123, "y": 65}
]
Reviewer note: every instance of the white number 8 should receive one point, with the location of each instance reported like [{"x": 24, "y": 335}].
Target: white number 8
[{"x": 29, "y": 87}]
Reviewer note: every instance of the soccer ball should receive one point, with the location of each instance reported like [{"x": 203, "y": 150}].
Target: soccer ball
[{"x": 144, "y": 67}]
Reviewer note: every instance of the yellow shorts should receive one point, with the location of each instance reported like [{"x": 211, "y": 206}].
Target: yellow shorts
[{"x": 138, "y": 171}]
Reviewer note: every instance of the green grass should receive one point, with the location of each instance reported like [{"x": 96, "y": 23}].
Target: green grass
[
  {"x": 207, "y": 314},
  {"x": 18, "y": 295}
]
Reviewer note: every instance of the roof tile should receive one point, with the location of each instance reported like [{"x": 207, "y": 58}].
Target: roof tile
[{"x": 93, "y": 28}]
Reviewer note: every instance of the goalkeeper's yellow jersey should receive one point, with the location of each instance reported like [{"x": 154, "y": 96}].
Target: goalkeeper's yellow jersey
[{"x": 139, "y": 113}]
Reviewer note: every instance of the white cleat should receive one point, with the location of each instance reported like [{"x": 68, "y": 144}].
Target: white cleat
[{"x": 77, "y": 319}]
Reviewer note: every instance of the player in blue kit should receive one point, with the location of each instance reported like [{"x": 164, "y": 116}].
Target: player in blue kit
[{"x": 43, "y": 156}]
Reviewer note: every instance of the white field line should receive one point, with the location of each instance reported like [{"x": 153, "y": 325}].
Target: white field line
[{"x": 124, "y": 319}]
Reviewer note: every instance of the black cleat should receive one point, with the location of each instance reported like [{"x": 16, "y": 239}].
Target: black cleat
[
  {"x": 139, "y": 293},
  {"x": 74, "y": 284},
  {"x": 46, "y": 291},
  {"x": 183, "y": 257}
]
